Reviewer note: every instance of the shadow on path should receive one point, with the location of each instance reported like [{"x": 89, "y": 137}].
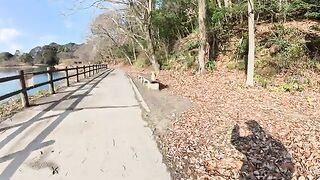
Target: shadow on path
[
  {"x": 73, "y": 109},
  {"x": 43, "y": 112},
  {"x": 266, "y": 157},
  {"x": 19, "y": 157}
]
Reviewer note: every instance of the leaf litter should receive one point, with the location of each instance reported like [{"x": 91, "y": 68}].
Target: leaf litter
[{"x": 213, "y": 139}]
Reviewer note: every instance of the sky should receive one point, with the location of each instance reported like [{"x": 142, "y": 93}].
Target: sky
[{"x": 25, "y": 24}]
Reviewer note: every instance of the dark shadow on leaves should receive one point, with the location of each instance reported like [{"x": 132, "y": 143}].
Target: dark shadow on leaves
[
  {"x": 266, "y": 157},
  {"x": 162, "y": 86}
]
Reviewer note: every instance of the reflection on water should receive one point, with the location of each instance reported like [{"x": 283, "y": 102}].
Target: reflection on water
[{"x": 12, "y": 86}]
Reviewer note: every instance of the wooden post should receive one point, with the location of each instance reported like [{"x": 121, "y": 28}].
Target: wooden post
[
  {"x": 50, "y": 79},
  {"x": 67, "y": 77},
  {"x": 89, "y": 70},
  {"x": 84, "y": 71},
  {"x": 24, "y": 94},
  {"x": 93, "y": 70},
  {"x": 77, "y": 70}
]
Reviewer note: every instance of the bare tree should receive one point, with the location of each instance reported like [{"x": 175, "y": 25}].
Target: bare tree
[
  {"x": 104, "y": 28},
  {"x": 86, "y": 52},
  {"x": 203, "y": 35},
  {"x": 250, "y": 68},
  {"x": 133, "y": 20},
  {"x": 150, "y": 37}
]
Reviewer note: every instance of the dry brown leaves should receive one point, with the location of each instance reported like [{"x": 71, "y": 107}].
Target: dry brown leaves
[{"x": 199, "y": 144}]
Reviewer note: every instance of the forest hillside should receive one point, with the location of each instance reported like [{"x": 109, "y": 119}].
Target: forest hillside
[{"x": 167, "y": 35}]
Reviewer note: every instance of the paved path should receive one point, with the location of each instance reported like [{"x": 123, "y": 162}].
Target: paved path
[{"x": 92, "y": 130}]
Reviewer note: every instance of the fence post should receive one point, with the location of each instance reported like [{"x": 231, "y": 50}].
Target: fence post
[
  {"x": 67, "y": 76},
  {"x": 77, "y": 70},
  {"x": 24, "y": 94},
  {"x": 50, "y": 79},
  {"x": 84, "y": 71},
  {"x": 89, "y": 70},
  {"x": 93, "y": 70}
]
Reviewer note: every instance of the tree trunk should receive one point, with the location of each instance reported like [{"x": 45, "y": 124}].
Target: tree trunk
[
  {"x": 203, "y": 35},
  {"x": 213, "y": 45},
  {"x": 134, "y": 50},
  {"x": 280, "y": 5},
  {"x": 250, "y": 69},
  {"x": 227, "y": 3},
  {"x": 219, "y": 3},
  {"x": 150, "y": 38},
  {"x": 111, "y": 54}
]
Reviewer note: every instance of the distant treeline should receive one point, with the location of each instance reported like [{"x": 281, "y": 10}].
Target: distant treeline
[{"x": 48, "y": 54}]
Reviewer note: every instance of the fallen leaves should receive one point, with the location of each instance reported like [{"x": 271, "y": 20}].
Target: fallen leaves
[{"x": 198, "y": 146}]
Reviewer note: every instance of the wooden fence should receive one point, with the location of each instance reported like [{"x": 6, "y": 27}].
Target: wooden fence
[{"x": 86, "y": 71}]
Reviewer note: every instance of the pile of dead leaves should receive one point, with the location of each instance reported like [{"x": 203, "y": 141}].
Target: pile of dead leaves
[{"x": 214, "y": 139}]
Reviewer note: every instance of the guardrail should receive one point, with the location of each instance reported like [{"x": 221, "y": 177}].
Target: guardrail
[{"x": 85, "y": 70}]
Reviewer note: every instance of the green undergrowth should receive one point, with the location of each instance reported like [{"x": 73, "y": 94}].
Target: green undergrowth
[{"x": 286, "y": 60}]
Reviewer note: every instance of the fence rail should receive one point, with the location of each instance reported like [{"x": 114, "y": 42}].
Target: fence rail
[{"x": 84, "y": 70}]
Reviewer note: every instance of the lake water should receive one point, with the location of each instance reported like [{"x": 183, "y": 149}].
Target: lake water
[{"x": 12, "y": 86}]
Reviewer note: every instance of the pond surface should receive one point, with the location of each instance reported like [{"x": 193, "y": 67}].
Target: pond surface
[{"x": 14, "y": 85}]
